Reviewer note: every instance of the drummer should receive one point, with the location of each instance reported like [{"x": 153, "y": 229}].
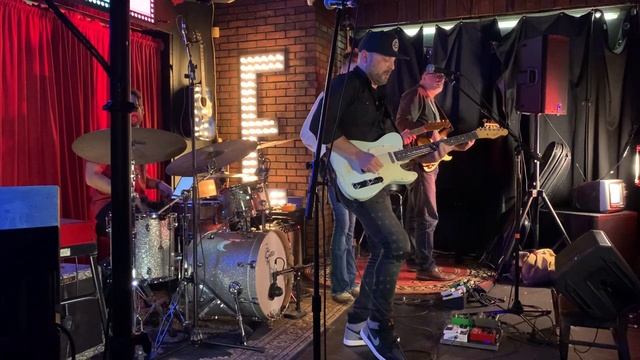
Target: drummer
[{"x": 98, "y": 177}]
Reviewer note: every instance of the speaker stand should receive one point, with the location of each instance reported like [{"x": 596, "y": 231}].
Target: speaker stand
[
  {"x": 536, "y": 192},
  {"x": 517, "y": 308}
]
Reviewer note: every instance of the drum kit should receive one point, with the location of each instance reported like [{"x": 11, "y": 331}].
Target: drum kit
[{"x": 243, "y": 269}]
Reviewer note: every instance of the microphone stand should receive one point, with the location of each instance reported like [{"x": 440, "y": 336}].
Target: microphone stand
[
  {"x": 196, "y": 336},
  {"x": 312, "y": 202}
]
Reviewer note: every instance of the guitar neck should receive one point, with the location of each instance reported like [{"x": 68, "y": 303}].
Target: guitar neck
[
  {"x": 203, "y": 78},
  {"x": 414, "y": 152},
  {"x": 429, "y": 127}
]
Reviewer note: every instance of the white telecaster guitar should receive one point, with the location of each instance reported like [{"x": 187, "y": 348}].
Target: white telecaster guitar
[{"x": 356, "y": 184}]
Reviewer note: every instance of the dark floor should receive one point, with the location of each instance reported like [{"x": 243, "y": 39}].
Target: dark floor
[{"x": 419, "y": 328}]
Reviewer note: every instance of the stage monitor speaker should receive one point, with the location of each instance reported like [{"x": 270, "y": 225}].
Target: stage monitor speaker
[
  {"x": 29, "y": 231},
  {"x": 595, "y": 277},
  {"x": 543, "y": 75}
]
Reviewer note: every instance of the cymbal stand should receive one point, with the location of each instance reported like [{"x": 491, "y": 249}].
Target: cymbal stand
[
  {"x": 174, "y": 305},
  {"x": 196, "y": 334},
  {"x": 139, "y": 288},
  {"x": 262, "y": 172}
]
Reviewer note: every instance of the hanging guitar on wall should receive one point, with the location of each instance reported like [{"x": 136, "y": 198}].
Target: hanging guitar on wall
[{"x": 205, "y": 126}]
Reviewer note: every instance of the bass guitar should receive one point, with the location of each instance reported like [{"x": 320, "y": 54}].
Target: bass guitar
[{"x": 356, "y": 184}]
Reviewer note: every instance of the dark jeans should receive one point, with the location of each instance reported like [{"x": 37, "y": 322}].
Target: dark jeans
[
  {"x": 422, "y": 217},
  {"x": 389, "y": 244},
  {"x": 343, "y": 261},
  {"x": 101, "y": 220}
]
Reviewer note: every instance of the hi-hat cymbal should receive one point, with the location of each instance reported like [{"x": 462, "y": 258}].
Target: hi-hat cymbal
[
  {"x": 148, "y": 146},
  {"x": 273, "y": 143},
  {"x": 213, "y": 156},
  {"x": 224, "y": 176}
]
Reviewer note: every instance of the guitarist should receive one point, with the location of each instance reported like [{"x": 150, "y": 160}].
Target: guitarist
[
  {"x": 343, "y": 262},
  {"x": 357, "y": 110},
  {"x": 418, "y": 107}
]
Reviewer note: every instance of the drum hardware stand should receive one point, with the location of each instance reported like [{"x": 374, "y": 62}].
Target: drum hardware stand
[
  {"x": 262, "y": 172},
  {"x": 297, "y": 271},
  {"x": 167, "y": 319}
]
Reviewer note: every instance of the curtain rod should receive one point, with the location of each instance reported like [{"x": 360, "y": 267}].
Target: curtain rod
[{"x": 506, "y": 15}]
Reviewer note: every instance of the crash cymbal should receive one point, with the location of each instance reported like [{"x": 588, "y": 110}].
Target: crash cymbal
[
  {"x": 213, "y": 156},
  {"x": 148, "y": 146},
  {"x": 273, "y": 143}
]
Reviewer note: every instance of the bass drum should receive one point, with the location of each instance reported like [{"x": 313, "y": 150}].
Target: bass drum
[{"x": 248, "y": 259}]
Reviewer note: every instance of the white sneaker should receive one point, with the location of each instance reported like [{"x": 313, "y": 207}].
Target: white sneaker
[
  {"x": 355, "y": 291},
  {"x": 343, "y": 297},
  {"x": 352, "y": 334}
]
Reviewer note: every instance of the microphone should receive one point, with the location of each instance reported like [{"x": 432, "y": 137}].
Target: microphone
[
  {"x": 183, "y": 31},
  {"x": 274, "y": 290},
  {"x": 449, "y": 74},
  {"x": 332, "y": 4}
]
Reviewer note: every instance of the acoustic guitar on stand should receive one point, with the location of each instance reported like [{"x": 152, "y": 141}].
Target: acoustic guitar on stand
[
  {"x": 356, "y": 184},
  {"x": 203, "y": 106}
]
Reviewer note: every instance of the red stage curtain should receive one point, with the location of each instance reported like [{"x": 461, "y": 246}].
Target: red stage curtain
[{"x": 52, "y": 91}]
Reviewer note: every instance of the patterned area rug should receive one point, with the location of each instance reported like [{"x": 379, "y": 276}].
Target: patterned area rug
[
  {"x": 287, "y": 337},
  {"x": 282, "y": 339},
  {"x": 470, "y": 273}
]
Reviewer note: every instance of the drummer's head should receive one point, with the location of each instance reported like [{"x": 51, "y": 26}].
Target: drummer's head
[{"x": 137, "y": 116}]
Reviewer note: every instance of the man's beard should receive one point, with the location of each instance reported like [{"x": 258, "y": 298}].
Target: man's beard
[{"x": 381, "y": 78}]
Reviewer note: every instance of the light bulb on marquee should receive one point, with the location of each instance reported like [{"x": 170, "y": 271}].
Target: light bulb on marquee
[{"x": 253, "y": 126}]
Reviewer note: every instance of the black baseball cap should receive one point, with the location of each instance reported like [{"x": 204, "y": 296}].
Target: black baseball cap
[{"x": 382, "y": 42}]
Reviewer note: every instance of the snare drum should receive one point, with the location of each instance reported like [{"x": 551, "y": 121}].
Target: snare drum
[
  {"x": 154, "y": 247},
  {"x": 247, "y": 260}
]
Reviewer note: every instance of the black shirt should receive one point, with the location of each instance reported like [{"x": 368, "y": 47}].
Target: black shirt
[{"x": 364, "y": 115}]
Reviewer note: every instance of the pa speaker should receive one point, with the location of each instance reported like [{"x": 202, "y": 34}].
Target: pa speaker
[
  {"x": 543, "y": 75},
  {"x": 594, "y": 276},
  {"x": 29, "y": 231}
]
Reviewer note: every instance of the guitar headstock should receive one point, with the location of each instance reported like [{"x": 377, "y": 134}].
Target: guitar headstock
[{"x": 491, "y": 130}]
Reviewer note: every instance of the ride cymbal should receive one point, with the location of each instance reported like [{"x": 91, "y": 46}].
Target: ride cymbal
[{"x": 147, "y": 146}]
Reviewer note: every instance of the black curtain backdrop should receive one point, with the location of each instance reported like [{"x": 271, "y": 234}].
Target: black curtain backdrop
[
  {"x": 476, "y": 190},
  {"x": 598, "y": 75},
  {"x": 408, "y": 72}
]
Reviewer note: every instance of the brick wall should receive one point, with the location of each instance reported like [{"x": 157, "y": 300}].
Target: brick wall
[
  {"x": 252, "y": 26},
  {"x": 304, "y": 32}
]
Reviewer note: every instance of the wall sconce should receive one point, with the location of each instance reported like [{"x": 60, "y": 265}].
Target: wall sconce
[{"x": 253, "y": 126}]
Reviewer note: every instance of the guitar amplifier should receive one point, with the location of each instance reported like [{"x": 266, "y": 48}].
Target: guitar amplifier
[
  {"x": 81, "y": 318},
  {"x": 621, "y": 229}
]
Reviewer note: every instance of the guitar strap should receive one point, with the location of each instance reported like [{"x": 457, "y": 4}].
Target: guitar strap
[{"x": 329, "y": 175}]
